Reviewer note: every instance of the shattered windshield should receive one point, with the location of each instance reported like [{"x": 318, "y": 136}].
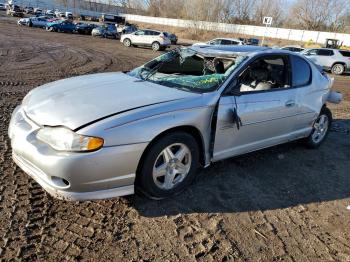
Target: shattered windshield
[{"x": 186, "y": 69}]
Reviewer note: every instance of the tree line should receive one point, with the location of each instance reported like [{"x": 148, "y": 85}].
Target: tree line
[
  {"x": 319, "y": 15},
  {"x": 322, "y": 15}
]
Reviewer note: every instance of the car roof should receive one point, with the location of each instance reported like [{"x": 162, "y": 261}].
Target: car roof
[
  {"x": 322, "y": 48},
  {"x": 294, "y": 46},
  {"x": 232, "y": 50},
  {"x": 149, "y": 29},
  {"x": 225, "y": 38}
]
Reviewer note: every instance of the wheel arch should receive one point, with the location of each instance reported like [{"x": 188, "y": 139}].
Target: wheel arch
[
  {"x": 339, "y": 62},
  {"x": 193, "y": 131}
]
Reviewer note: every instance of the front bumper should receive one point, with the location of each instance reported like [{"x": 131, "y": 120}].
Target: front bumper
[{"x": 108, "y": 172}]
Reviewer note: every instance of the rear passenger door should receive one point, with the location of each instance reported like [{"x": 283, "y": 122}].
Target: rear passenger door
[
  {"x": 325, "y": 58},
  {"x": 152, "y": 36}
]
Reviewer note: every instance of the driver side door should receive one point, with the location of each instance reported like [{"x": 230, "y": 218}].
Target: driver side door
[{"x": 252, "y": 119}]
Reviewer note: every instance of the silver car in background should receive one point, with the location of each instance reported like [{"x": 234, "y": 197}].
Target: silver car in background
[
  {"x": 157, "y": 40},
  {"x": 221, "y": 41},
  {"x": 98, "y": 136},
  {"x": 335, "y": 60}
]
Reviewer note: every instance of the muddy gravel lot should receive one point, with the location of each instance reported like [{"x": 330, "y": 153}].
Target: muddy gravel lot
[{"x": 284, "y": 203}]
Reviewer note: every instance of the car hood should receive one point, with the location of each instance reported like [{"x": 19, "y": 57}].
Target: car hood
[{"x": 77, "y": 101}]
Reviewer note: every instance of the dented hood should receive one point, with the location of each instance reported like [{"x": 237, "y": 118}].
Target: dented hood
[{"x": 76, "y": 101}]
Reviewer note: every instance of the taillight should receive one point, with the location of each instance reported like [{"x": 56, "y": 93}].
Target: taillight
[{"x": 162, "y": 36}]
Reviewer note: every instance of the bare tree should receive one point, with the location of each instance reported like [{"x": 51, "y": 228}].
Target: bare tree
[
  {"x": 272, "y": 8},
  {"x": 238, "y": 11},
  {"x": 320, "y": 14}
]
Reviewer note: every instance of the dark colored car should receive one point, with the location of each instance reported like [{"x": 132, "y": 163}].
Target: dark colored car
[
  {"x": 249, "y": 41},
  {"x": 29, "y": 10},
  {"x": 172, "y": 37},
  {"x": 61, "y": 26},
  {"x": 2, "y": 7},
  {"x": 84, "y": 28},
  {"x": 107, "y": 31}
]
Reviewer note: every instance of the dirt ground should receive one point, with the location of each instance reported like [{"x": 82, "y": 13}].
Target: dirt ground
[{"x": 286, "y": 203}]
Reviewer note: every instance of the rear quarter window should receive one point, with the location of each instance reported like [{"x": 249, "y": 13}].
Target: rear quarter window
[
  {"x": 345, "y": 53},
  {"x": 301, "y": 72}
]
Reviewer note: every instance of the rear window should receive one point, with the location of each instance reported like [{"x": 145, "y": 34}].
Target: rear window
[
  {"x": 301, "y": 72},
  {"x": 345, "y": 53}
]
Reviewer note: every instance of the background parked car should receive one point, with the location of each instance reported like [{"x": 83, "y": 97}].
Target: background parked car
[
  {"x": 14, "y": 10},
  {"x": 84, "y": 28},
  {"x": 172, "y": 37},
  {"x": 2, "y": 7},
  {"x": 155, "y": 39},
  {"x": 107, "y": 31},
  {"x": 38, "y": 22},
  {"x": 69, "y": 15},
  {"x": 23, "y": 21},
  {"x": 291, "y": 48},
  {"x": 38, "y": 11},
  {"x": 29, "y": 10},
  {"x": 50, "y": 13},
  {"x": 335, "y": 60},
  {"x": 222, "y": 41},
  {"x": 126, "y": 29},
  {"x": 61, "y": 26},
  {"x": 249, "y": 41},
  {"x": 60, "y": 14}
]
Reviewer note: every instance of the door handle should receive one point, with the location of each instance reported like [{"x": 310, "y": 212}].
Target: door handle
[{"x": 290, "y": 103}]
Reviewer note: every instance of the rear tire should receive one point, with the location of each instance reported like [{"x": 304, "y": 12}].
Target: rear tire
[
  {"x": 320, "y": 129},
  {"x": 169, "y": 165},
  {"x": 127, "y": 42},
  {"x": 50, "y": 29},
  {"x": 338, "y": 69},
  {"x": 156, "y": 46}
]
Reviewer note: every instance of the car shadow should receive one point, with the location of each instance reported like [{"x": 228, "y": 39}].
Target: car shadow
[{"x": 279, "y": 177}]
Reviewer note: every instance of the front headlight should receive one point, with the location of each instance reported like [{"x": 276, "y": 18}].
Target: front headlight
[{"x": 64, "y": 139}]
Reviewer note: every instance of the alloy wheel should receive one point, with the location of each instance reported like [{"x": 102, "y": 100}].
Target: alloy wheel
[
  {"x": 172, "y": 166},
  {"x": 320, "y": 128}
]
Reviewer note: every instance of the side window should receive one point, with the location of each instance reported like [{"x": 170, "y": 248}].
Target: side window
[
  {"x": 266, "y": 73},
  {"x": 324, "y": 52},
  {"x": 141, "y": 32},
  {"x": 312, "y": 52},
  {"x": 226, "y": 42},
  {"x": 301, "y": 72},
  {"x": 215, "y": 42},
  {"x": 345, "y": 53}
]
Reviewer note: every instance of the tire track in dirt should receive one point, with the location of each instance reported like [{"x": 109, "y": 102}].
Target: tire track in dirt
[{"x": 257, "y": 207}]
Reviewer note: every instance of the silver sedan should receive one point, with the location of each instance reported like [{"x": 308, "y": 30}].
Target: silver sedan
[{"x": 99, "y": 136}]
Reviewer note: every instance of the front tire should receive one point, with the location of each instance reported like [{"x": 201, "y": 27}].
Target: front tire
[
  {"x": 127, "y": 42},
  {"x": 169, "y": 165},
  {"x": 50, "y": 29},
  {"x": 338, "y": 69},
  {"x": 321, "y": 129}
]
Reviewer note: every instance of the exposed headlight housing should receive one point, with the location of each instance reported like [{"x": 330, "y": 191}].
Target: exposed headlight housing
[{"x": 64, "y": 139}]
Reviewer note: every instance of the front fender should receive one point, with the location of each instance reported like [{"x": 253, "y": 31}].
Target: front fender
[{"x": 145, "y": 129}]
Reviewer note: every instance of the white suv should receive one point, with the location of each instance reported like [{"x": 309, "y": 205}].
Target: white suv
[
  {"x": 156, "y": 39},
  {"x": 335, "y": 60}
]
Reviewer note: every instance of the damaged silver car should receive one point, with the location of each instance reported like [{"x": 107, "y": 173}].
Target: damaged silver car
[{"x": 101, "y": 135}]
